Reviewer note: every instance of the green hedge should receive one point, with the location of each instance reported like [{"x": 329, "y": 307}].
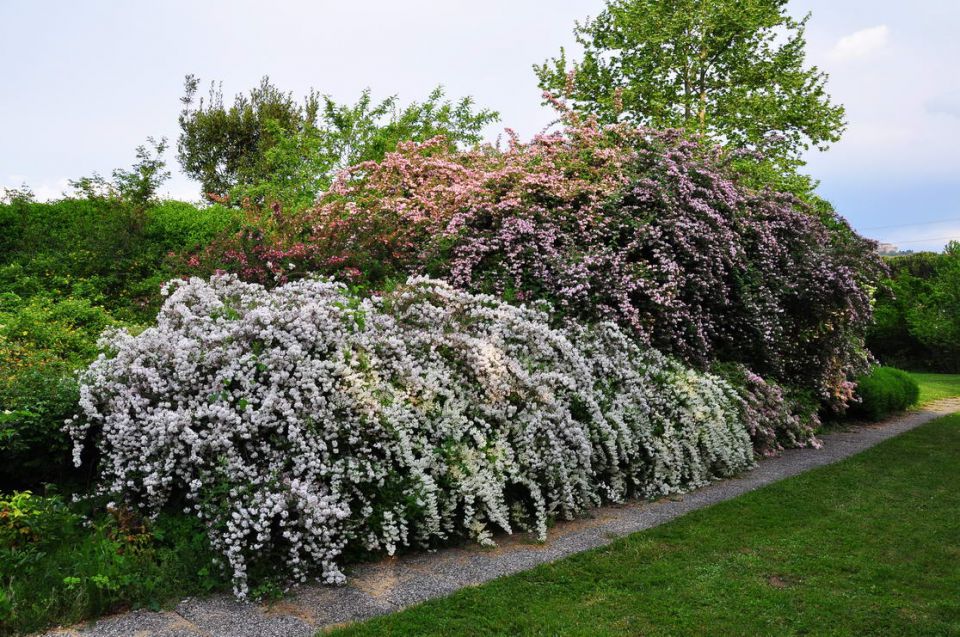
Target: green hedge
[
  {"x": 112, "y": 253},
  {"x": 42, "y": 341},
  {"x": 884, "y": 391},
  {"x": 69, "y": 269}
]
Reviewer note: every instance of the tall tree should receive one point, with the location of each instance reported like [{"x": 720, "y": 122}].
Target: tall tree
[
  {"x": 268, "y": 146},
  {"x": 223, "y": 146},
  {"x": 138, "y": 185},
  {"x": 733, "y": 70}
]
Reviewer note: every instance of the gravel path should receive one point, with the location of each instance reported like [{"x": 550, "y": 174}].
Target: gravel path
[{"x": 394, "y": 583}]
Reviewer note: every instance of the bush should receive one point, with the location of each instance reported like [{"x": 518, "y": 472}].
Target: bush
[
  {"x": 303, "y": 422},
  {"x": 34, "y": 403},
  {"x": 776, "y": 418},
  {"x": 42, "y": 343},
  {"x": 640, "y": 227},
  {"x": 883, "y": 391}
]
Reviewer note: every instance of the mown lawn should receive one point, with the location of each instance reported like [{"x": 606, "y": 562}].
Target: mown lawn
[
  {"x": 868, "y": 546},
  {"x": 936, "y": 386}
]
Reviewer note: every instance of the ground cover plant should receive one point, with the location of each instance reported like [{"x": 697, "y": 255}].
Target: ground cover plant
[
  {"x": 61, "y": 564},
  {"x": 866, "y": 546}
]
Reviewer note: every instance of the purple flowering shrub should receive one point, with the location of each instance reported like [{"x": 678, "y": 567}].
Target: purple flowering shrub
[
  {"x": 775, "y": 419},
  {"x": 641, "y": 227},
  {"x": 751, "y": 277}
]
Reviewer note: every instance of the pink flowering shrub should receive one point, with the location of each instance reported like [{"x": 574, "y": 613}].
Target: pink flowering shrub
[
  {"x": 644, "y": 228},
  {"x": 269, "y": 248},
  {"x": 384, "y": 219},
  {"x": 640, "y": 227},
  {"x": 774, "y": 419},
  {"x": 300, "y": 421}
]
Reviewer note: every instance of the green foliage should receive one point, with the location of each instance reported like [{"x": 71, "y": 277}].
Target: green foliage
[
  {"x": 293, "y": 171},
  {"x": 268, "y": 148},
  {"x": 918, "y": 312},
  {"x": 41, "y": 342},
  {"x": 29, "y": 520},
  {"x": 733, "y": 70},
  {"x": 224, "y": 146},
  {"x": 108, "y": 251},
  {"x": 59, "y": 566},
  {"x": 33, "y": 407},
  {"x": 64, "y": 329},
  {"x": 366, "y": 131},
  {"x": 68, "y": 270},
  {"x": 137, "y": 186},
  {"x": 884, "y": 391}
]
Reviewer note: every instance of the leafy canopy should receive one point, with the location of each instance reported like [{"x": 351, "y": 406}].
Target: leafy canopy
[
  {"x": 918, "y": 321},
  {"x": 733, "y": 70}
]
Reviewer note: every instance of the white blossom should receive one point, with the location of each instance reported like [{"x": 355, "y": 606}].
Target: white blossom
[{"x": 301, "y": 420}]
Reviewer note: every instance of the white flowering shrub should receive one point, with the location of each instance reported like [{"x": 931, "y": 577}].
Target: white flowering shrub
[{"x": 301, "y": 421}]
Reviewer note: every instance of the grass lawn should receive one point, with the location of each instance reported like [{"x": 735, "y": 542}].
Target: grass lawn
[
  {"x": 936, "y": 386},
  {"x": 868, "y": 546}
]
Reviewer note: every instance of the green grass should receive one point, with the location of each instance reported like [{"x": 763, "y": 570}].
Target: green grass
[
  {"x": 936, "y": 386},
  {"x": 868, "y": 546}
]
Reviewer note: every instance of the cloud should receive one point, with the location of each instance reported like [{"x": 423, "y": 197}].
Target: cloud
[
  {"x": 861, "y": 44},
  {"x": 945, "y": 104}
]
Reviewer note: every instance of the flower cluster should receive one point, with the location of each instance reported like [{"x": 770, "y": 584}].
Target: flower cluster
[
  {"x": 302, "y": 421},
  {"x": 644, "y": 228},
  {"x": 774, "y": 419}
]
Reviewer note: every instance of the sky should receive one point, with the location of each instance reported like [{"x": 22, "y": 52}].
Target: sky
[{"x": 85, "y": 83}]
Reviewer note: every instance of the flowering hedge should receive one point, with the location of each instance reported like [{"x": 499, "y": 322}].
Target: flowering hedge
[
  {"x": 302, "y": 421},
  {"x": 775, "y": 419},
  {"x": 645, "y": 228}
]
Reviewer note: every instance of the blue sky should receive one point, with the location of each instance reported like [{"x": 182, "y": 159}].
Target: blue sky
[{"x": 85, "y": 83}]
